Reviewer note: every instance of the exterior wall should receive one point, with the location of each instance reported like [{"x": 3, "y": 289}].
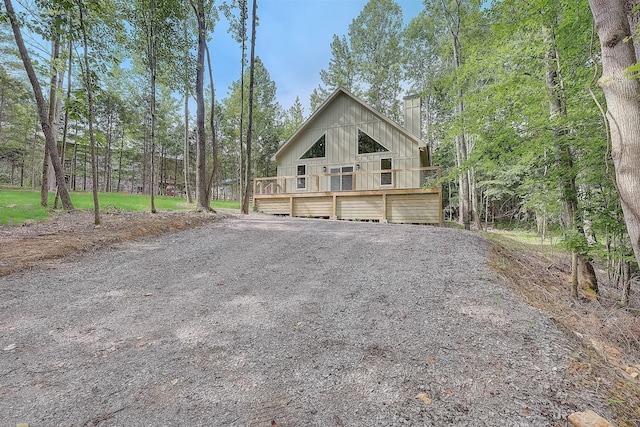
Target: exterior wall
[
  {"x": 412, "y": 115},
  {"x": 340, "y": 122}
]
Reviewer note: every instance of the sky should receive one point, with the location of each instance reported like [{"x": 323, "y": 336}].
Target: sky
[{"x": 293, "y": 40}]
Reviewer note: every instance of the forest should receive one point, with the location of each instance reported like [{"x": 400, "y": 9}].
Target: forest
[{"x": 531, "y": 108}]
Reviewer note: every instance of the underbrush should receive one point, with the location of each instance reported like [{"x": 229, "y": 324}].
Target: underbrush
[{"x": 608, "y": 361}]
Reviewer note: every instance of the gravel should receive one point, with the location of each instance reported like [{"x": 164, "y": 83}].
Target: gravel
[{"x": 260, "y": 321}]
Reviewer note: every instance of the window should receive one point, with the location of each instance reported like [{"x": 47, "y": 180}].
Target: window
[
  {"x": 386, "y": 178},
  {"x": 301, "y": 181},
  {"x": 317, "y": 150},
  {"x": 366, "y": 144},
  {"x": 341, "y": 182}
]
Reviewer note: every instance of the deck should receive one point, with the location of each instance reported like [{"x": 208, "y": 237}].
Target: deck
[{"x": 360, "y": 201}]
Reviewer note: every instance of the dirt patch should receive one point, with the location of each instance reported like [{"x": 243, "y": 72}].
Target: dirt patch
[
  {"x": 68, "y": 233},
  {"x": 608, "y": 360}
]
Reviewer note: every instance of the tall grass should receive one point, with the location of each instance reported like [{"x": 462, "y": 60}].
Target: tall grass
[{"x": 19, "y": 206}]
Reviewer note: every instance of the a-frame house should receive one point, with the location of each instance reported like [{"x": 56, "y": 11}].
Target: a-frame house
[{"x": 348, "y": 161}]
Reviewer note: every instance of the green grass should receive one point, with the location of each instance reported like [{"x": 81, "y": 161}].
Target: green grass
[{"x": 18, "y": 206}]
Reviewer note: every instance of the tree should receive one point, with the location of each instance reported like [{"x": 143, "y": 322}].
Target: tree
[
  {"x": 187, "y": 90},
  {"x": 203, "y": 195},
  {"x": 238, "y": 29},
  {"x": 267, "y": 122},
  {"x": 252, "y": 63},
  {"x": 340, "y": 73},
  {"x": 155, "y": 37},
  {"x": 90, "y": 111},
  {"x": 368, "y": 62},
  {"x": 43, "y": 110},
  {"x": 293, "y": 119},
  {"x": 623, "y": 107}
]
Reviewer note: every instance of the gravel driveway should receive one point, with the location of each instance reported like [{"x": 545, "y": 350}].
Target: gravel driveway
[{"x": 261, "y": 321}]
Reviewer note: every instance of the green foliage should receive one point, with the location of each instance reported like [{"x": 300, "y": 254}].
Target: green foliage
[
  {"x": 368, "y": 61},
  {"x": 267, "y": 117}
]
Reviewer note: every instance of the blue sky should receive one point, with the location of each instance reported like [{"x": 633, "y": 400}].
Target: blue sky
[{"x": 293, "y": 40}]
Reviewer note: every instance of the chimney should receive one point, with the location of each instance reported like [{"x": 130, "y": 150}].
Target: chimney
[{"x": 413, "y": 115}]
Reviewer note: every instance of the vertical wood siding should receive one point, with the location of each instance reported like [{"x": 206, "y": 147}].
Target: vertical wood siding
[{"x": 341, "y": 121}]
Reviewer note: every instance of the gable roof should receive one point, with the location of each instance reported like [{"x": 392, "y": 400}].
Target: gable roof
[{"x": 325, "y": 105}]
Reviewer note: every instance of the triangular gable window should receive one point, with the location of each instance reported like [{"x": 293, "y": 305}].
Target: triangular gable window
[
  {"x": 316, "y": 150},
  {"x": 366, "y": 144}
]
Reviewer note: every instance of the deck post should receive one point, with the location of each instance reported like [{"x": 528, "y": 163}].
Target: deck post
[
  {"x": 440, "y": 213},
  {"x": 334, "y": 215},
  {"x": 384, "y": 209}
]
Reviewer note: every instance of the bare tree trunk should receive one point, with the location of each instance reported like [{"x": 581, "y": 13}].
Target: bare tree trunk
[
  {"x": 626, "y": 283},
  {"x": 204, "y": 201},
  {"x": 65, "y": 124},
  {"x": 53, "y": 86},
  {"x": 475, "y": 205},
  {"x": 43, "y": 112},
  {"x": 213, "y": 179},
  {"x": 634, "y": 18},
  {"x": 243, "y": 18},
  {"x": 151, "y": 49},
  {"x": 623, "y": 115},
  {"x": 92, "y": 138},
  {"x": 185, "y": 161},
  {"x": 574, "y": 275},
  {"x": 120, "y": 161},
  {"x": 247, "y": 171}
]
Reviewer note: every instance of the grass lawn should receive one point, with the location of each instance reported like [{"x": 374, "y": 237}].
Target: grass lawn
[{"x": 18, "y": 206}]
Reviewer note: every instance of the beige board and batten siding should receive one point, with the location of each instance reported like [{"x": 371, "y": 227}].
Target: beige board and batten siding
[
  {"x": 274, "y": 206},
  {"x": 318, "y": 207},
  {"x": 340, "y": 122},
  {"x": 414, "y": 208},
  {"x": 399, "y": 207},
  {"x": 360, "y": 207}
]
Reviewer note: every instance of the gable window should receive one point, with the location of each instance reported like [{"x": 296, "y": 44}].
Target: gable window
[
  {"x": 301, "y": 181},
  {"x": 386, "y": 178},
  {"x": 366, "y": 144},
  {"x": 342, "y": 182},
  {"x": 317, "y": 149}
]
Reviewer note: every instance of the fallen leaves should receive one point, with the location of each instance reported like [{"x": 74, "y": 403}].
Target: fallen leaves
[{"x": 425, "y": 398}]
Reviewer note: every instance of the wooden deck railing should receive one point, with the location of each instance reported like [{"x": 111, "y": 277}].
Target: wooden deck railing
[{"x": 429, "y": 177}]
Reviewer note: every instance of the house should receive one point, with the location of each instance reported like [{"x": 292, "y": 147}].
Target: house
[{"x": 348, "y": 161}]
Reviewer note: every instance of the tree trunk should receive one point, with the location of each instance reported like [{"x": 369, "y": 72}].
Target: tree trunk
[
  {"x": 92, "y": 138},
  {"x": 152, "y": 181},
  {"x": 634, "y": 18},
  {"x": 204, "y": 201},
  {"x": 247, "y": 169},
  {"x": 65, "y": 123},
  {"x": 626, "y": 282},
  {"x": 621, "y": 94},
  {"x": 185, "y": 161},
  {"x": 43, "y": 113},
  {"x": 186, "y": 154},
  {"x": 574, "y": 275},
  {"x": 243, "y": 36},
  {"x": 462, "y": 152},
  {"x": 120, "y": 162},
  {"x": 213, "y": 180},
  {"x": 563, "y": 155},
  {"x": 53, "y": 86}
]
